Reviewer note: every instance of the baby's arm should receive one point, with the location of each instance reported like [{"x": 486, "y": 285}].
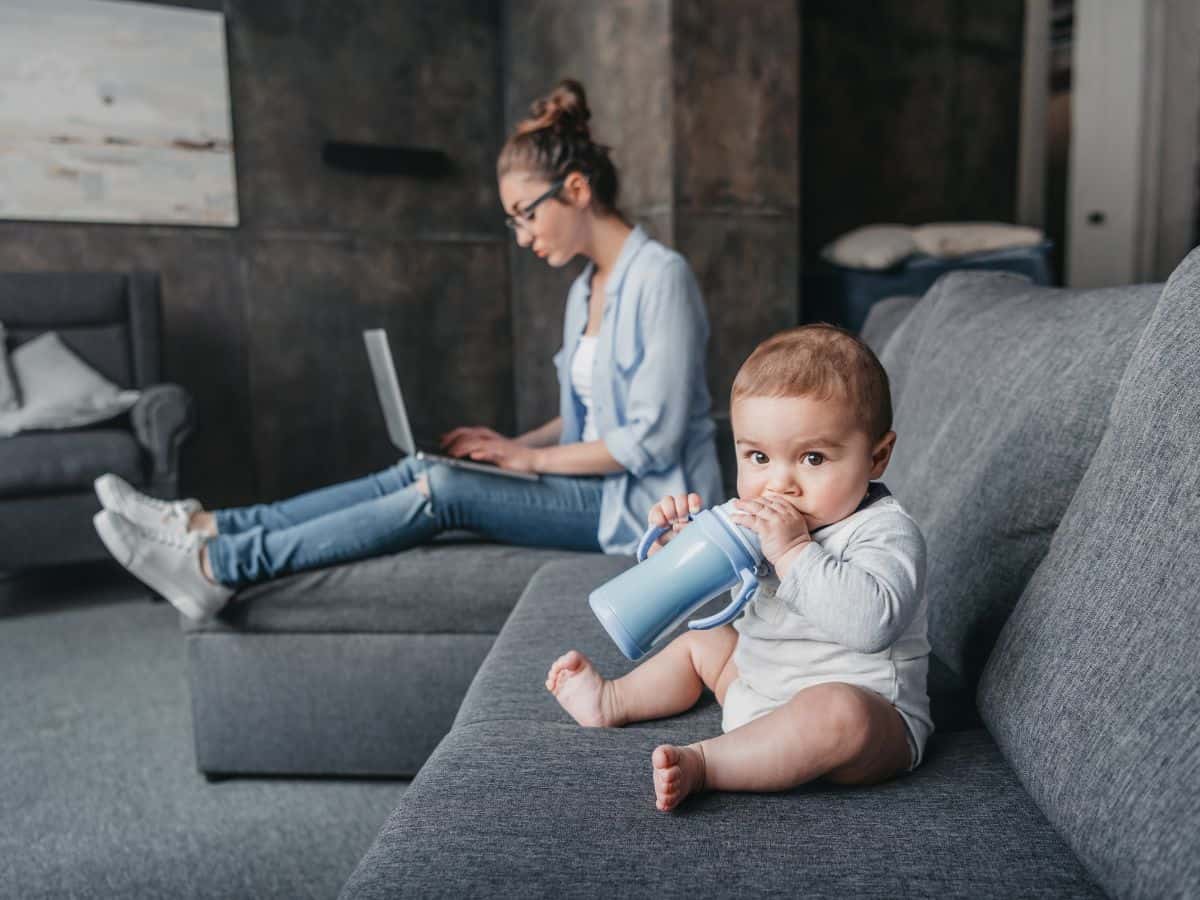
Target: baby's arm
[{"x": 866, "y": 598}]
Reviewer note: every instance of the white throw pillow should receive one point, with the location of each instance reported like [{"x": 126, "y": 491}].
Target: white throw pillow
[
  {"x": 59, "y": 390},
  {"x": 9, "y": 398},
  {"x": 872, "y": 247},
  {"x": 961, "y": 238}
]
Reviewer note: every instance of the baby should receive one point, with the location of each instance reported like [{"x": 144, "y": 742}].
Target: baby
[{"x": 824, "y": 674}]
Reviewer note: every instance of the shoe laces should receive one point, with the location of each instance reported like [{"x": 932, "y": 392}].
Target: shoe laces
[
  {"x": 181, "y": 541},
  {"x": 170, "y": 510}
]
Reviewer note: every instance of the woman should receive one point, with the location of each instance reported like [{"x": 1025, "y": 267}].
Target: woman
[{"x": 634, "y": 419}]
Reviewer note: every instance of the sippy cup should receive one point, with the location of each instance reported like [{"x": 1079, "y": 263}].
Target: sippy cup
[{"x": 644, "y": 604}]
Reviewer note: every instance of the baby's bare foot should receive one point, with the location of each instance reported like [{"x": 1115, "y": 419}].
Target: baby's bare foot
[
  {"x": 678, "y": 772},
  {"x": 580, "y": 690}
]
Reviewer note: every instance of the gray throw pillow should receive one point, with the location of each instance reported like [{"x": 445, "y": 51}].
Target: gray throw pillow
[
  {"x": 9, "y": 398},
  {"x": 59, "y": 390}
]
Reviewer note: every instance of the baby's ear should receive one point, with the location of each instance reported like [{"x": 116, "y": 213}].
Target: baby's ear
[{"x": 881, "y": 455}]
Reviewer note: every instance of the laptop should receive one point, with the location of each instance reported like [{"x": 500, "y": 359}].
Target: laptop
[{"x": 379, "y": 352}]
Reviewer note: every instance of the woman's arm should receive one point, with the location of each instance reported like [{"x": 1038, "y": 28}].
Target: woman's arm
[
  {"x": 544, "y": 435},
  {"x": 591, "y": 458},
  {"x": 674, "y": 335},
  {"x": 586, "y": 458}
]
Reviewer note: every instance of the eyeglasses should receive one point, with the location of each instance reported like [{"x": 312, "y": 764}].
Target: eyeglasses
[{"x": 525, "y": 216}]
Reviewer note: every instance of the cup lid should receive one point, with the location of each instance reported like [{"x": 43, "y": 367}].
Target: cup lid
[{"x": 747, "y": 537}]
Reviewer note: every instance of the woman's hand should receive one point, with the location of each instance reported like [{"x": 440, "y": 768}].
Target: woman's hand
[
  {"x": 460, "y": 441},
  {"x": 673, "y": 512},
  {"x": 780, "y": 526},
  {"x": 503, "y": 452}
]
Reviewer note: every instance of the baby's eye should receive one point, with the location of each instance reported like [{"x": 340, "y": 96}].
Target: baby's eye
[
  {"x": 757, "y": 457},
  {"x": 814, "y": 459}
]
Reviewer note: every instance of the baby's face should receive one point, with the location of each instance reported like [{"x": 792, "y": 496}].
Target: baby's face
[{"x": 815, "y": 450}]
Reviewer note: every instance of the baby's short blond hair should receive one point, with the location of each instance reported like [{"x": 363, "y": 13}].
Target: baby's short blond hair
[{"x": 824, "y": 362}]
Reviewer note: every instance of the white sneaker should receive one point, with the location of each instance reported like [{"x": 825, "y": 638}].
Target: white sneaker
[
  {"x": 166, "y": 562},
  {"x": 148, "y": 513}
]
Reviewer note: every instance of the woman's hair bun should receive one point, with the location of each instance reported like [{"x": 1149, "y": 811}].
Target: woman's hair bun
[
  {"x": 555, "y": 141},
  {"x": 564, "y": 112}
]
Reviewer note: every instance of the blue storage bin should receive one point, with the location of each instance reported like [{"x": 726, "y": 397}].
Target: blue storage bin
[{"x": 844, "y": 295}]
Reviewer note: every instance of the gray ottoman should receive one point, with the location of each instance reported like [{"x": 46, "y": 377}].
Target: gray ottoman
[{"x": 351, "y": 670}]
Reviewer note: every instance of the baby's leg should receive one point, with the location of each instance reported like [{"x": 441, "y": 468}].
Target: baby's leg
[
  {"x": 667, "y": 683},
  {"x": 841, "y": 732}
]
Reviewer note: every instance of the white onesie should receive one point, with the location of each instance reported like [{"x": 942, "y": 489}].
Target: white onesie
[{"x": 852, "y": 609}]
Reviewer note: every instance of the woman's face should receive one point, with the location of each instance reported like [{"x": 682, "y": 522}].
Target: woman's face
[{"x": 555, "y": 229}]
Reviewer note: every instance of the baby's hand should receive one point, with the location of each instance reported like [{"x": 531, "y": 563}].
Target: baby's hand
[
  {"x": 780, "y": 527},
  {"x": 672, "y": 511}
]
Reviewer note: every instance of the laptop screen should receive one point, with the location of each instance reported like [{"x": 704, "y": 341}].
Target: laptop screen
[{"x": 388, "y": 386}]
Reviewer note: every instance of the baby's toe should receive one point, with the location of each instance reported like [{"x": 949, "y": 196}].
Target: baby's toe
[{"x": 665, "y": 756}]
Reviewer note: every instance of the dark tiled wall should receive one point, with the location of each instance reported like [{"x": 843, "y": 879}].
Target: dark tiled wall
[
  {"x": 737, "y": 122},
  {"x": 262, "y": 321},
  {"x": 911, "y": 113}
]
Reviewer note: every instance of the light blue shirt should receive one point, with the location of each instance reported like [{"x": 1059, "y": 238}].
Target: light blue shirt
[{"x": 650, "y": 398}]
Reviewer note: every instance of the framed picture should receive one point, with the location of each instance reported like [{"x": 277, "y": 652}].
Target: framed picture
[{"x": 115, "y": 112}]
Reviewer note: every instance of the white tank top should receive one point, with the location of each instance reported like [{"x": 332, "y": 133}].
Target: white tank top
[{"x": 581, "y": 380}]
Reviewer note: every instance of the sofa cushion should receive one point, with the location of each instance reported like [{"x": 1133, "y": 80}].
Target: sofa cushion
[
  {"x": 884, "y": 318},
  {"x": 557, "y": 810},
  {"x": 1093, "y": 690},
  {"x": 456, "y": 585},
  {"x": 326, "y": 704},
  {"x": 553, "y": 616},
  {"x": 1003, "y": 391},
  {"x": 61, "y": 462}
]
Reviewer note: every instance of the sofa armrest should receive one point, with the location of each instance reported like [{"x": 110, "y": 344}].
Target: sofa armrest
[{"x": 163, "y": 418}]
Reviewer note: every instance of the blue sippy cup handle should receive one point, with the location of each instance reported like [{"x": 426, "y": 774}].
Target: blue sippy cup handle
[
  {"x": 648, "y": 539},
  {"x": 744, "y": 596}
]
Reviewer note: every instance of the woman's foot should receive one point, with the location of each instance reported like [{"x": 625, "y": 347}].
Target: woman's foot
[
  {"x": 678, "y": 772},
  {"x": 168, "y": 563},
  {"x": 148, "y": 513},
  {"x": 580, "y": 690}
]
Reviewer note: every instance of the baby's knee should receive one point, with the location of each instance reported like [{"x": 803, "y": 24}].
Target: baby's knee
[{"x": 846, "y": 712}]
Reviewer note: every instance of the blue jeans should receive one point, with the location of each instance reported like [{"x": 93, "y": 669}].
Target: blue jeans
[{"x": 384, "y": 513}]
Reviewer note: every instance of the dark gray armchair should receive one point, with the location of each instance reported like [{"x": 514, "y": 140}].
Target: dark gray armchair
[{"x": 113, "y": 322}]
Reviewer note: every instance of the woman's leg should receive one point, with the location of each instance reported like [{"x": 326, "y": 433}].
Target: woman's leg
[
  {"x": 555, "y": 511},
  {"x": 668, "y": 683},
  {"x": 551, "y": 512},
  {"x": 315, "y": 504},
  {"x": 373, "y": 527},
  {"x": 841, "y": 732}
]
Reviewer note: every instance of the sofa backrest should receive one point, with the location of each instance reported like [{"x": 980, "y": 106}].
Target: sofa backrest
[
  {"x": 1093, "y": 690},
  {"x": 1001, "y": 394},
  {"x": 110, "y": 319},
  {"x": 884, "y": 318}
]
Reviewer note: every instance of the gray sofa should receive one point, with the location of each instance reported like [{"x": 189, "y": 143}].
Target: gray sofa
[
  {"x": 112, "y": 320},
  {"x": 352, "y": 670},
  {"x": 1047, "y": 448}
]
